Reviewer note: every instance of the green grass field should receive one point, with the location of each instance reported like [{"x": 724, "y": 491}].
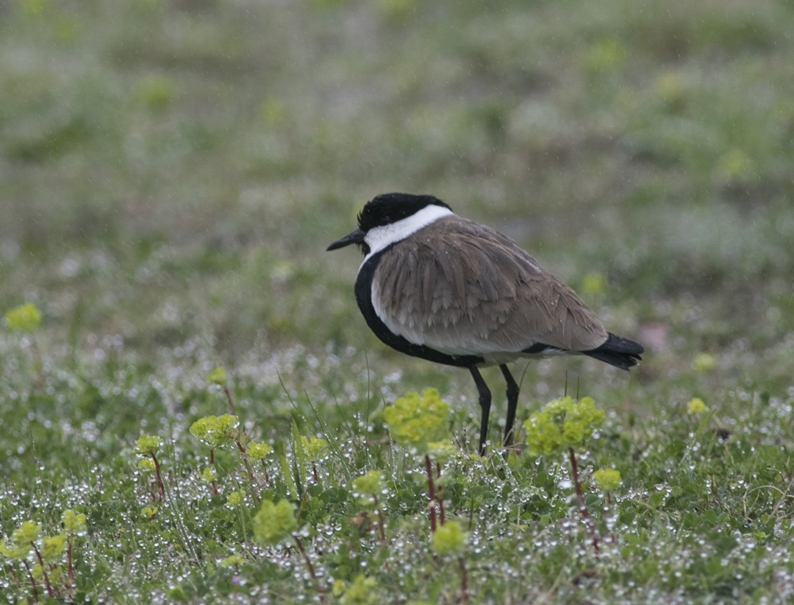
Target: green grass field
[{"x": 171, "y": 172}]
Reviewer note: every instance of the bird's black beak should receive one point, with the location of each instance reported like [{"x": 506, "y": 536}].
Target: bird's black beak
[{"x": 356, "y": 237}]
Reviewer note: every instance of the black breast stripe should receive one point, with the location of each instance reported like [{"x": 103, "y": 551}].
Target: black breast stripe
[{"x": 395, "y": 341}]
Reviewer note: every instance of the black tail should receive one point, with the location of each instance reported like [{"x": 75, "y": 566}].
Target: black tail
[{"x": 618, "y": 352}]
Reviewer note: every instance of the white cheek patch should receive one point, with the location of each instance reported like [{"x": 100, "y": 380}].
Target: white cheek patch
[{"x": 379, "y": 238}]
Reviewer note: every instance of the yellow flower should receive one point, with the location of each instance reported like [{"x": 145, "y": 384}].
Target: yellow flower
[
  {"x": 14, "y": 551},
  {"x": 415, "y": 421},
  {"x": 233, "y": 499},
  {"x": 52, "y": 547},
  {"x": 146, "y": 464},
  {"x": 149, "y": 512},
  {"x": 448, "y": 538},
  {"x": 24, "y": 318},
  {"x": 696, "y": 406},
  {"x": 73, "y": 523},
  {"x": 216, "y": 431},
  {"x": 235, "y": 559},
  {"x": 360, "y": 592},
  {"x": 27, "y": 533},
  {"x": 562, "y": 423},
  {"x": 704, "y": 362},
  {"x": 208, "y": 475},
  {"x": 217, "y": 376},
  {"x": 441, "y": 451},
  {"x": 274, "y": 522},
  {"x": 147, "y": 445},
  {"x": 369, "y": 484},
  {"x": 607, "y": 479},
  {"x": 313, "y": 446},
  {"x": 257, "y": 451},
  {"x": 338, "y": 589},
  {"x": 593, "y": 283}
]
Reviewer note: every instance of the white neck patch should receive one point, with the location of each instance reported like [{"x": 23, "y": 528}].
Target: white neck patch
[{"x": 378, "y": 238}]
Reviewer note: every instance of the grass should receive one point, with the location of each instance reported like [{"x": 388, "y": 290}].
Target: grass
[{"x": 170, "y": 174}]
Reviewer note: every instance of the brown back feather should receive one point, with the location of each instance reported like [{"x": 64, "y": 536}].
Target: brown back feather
[{"x": 459, "y": 281}]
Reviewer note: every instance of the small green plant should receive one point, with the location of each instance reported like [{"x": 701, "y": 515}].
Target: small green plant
[
  {"x": 312, "y": 446},
  {"x": 421, "y": 425},
  {"x": 276, "y": 522},
  {"x": 148, "y": 446},
  {"x": 696, "y": 406},
  {"x": 218, "y": 376},
  {"x": 74, "y": 526},
  {"x": 258, "y": 452},
  {"x": 149, "y": 512},
  {"x": 361, "y": 592},
  {"x": 18, "y": 548},
  {"x": 448, "y": 540},
  {"x": 217, "y": 431},
  {"x": 565, "y": 424},
  {"x": 27, "y": 544},
  {"x": 704, "y": 362},
  {"x": 368, "y": 487},
  {"x": 26, "y": 319},
  {"x": 608, "y": 479},
  {"x": 234, "y": 560},
  {"x": 221, "y": 431}
]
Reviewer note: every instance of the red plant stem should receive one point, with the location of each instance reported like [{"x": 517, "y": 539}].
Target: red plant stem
[
  {"x": 464, "y": 583},
  {"x": 70, "y": 569},
  {"x": 431, "y": 489},
  {"x": 32, "y": 582},
  {"x": 160, "y": 484},
  {"x": 440, "y": 496},
  {"x": 313, "y": 575},
  {"x": 43, "y": 570},
  {"x": 609, "y": 504},
  {"x": 229, "y": 399},
  {"x": 316, "y": 476},
  {"x": 580, "y": 497},
  {"x": 213, "y": 484},
  {"x": 13, "y": 574},
  {"x": 264, "y": 469},
  {"x": 249, "y": 470},
  {"x": 380, "y": 522},
  {"x": 38, "y": 362}
]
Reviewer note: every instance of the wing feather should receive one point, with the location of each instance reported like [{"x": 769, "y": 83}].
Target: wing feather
[{"x": 463, "y": 288}]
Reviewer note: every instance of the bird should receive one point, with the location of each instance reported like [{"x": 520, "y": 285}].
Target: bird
[{"x": 440, "y": 287}]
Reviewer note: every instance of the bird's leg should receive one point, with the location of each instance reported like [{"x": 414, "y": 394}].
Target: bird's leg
[
  {"x": 512, "y": 404},
  {"x": 485, "y": 406}
]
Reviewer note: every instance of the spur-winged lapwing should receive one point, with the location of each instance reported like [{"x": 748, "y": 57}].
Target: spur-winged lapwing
[{"x": 443, "y": 288}]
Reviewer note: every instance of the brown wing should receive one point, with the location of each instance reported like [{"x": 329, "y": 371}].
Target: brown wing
[{"x": 463, "y": 288}]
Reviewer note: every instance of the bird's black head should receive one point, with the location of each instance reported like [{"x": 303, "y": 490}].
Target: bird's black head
[
  {"x": 389, "y": 208},
  {"x": 383, "y": 210}
]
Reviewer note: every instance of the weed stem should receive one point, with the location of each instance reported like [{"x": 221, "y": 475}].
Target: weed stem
[
  {"x": 431, "y": 489},
  {"x": 160, "y": 484},
  {"x": 32, "y": 582},
  {"x": 313, "y": 575},
  {"x": 580, "y": 498}
]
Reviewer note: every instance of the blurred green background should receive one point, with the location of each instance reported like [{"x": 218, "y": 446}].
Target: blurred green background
[{"x": 173, "y": 169}]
